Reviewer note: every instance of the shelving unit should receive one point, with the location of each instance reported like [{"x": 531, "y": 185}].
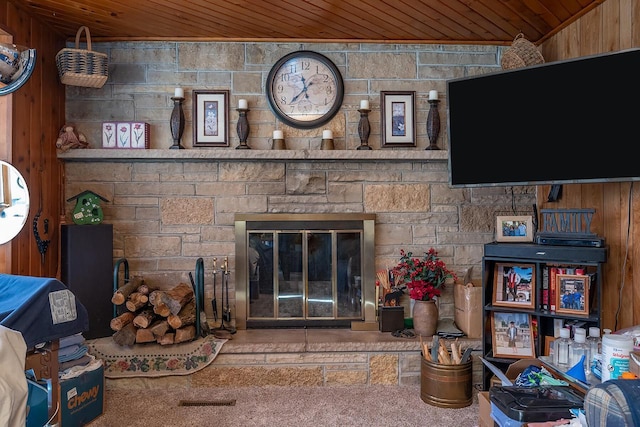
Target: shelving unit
[{"x": 541, "y": 258}]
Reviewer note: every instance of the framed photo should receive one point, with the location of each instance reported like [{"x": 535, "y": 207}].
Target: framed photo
[
  {"x": 398, "y": 119},
  {"x": 514, "y": 228},
  {"x": 514, "y": 285},
  {"x": 512, "y": 335},
  {"x": 572, "y": 294},
  {"x": 210, "y": 118},
  {"x": 547, "y": 345}
]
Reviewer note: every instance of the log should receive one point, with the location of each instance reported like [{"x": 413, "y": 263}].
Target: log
[
  {"x": 161, "y": 309},
  {"x": 120, "y": 321},
  {"x": 144, "y": 335},
  {"x": 147, "y": 288},
  {"x": 136, "y": 301},
  {"x": 126, "y": 336},
  {"x": 144, "y": 318},
  {"x": 159, "y": 327},
  {"x": 176, "y": 297},
  {"x": 187, "y": 333},
  {"x": 120, "y": 296},
  {"x": 186, "y": 316},
  {"x": 166, "y": 339}
]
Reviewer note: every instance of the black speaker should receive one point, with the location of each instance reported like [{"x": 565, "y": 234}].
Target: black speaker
[{"x": 87, "y": 270}]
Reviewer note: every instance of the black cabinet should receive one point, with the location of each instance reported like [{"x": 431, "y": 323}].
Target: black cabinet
[
  {"x": 87, "y": 270},
  {"x": 535, "y": 304}
]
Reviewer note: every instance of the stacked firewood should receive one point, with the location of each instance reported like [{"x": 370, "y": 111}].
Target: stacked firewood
[{"x": 153, "y": 315}]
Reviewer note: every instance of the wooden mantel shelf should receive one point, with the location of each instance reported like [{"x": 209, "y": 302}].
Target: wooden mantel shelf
[{"x": 208, "y": 154}]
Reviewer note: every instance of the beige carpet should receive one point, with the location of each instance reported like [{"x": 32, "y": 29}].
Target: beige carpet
[{"x": 344, "y": 406}]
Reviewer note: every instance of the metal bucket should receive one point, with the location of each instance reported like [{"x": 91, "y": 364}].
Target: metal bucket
[{"x": 446, "y": 386}]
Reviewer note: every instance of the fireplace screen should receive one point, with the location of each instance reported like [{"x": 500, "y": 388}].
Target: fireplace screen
[{"x": 303, "y": 274}]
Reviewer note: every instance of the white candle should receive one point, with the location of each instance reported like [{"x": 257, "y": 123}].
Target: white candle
[
  {"x": 327, "y": 134},
  {"x": 242, "y": 104},
  {"x": 178, "y": 93},
  {"x": 277, "y": 134},
  {"x": 433, "y": 94},
  {"x": 364, "y": 104}
]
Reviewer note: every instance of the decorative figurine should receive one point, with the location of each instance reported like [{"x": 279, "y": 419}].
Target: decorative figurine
[{"x": 69, "y": 138}]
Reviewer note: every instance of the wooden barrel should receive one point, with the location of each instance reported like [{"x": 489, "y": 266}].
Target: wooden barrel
[{"x": 446, "y": 386}]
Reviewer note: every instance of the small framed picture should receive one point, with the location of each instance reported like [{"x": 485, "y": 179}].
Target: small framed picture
[
  {"x": 548, "y": 340},
  {"x": 398, "y": 119},
  {"x": 210, "y": 118},
  {"x": 572, "y": 294},
  {"x": 514, "y": 228},
  {"x": 514, "y": 285},
  {"x": 512, "y": 335}
]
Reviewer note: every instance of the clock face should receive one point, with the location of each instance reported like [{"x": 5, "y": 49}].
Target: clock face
[{"x": 305, "y": 89}]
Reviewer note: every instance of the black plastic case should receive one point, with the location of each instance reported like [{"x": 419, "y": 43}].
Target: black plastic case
[{"x": 542, "y": 403}]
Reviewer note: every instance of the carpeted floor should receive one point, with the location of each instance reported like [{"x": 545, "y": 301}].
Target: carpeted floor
[{"x": 344, "y": 406}]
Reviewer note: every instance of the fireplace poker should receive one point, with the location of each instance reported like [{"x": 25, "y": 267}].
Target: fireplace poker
[
  {"x": 226, "y": 310},
  {"x": 214, "y": 301}
]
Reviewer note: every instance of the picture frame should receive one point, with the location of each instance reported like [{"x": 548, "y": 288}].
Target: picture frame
[
  {"x": 572, "y": 294},
  {"x": 517, "y": 345},
  {"x": 547, "y": 345},
  {"x": 398, "y": 118},
  {"x": 514, "y": 285},
  {"x": 514, "y": 228},
  {"x": 210, "y": 118}
]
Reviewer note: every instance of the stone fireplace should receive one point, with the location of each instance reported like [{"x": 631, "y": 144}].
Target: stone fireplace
[{"x": 305, "y": 270}]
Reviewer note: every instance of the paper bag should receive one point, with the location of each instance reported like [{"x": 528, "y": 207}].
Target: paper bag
[{"x": 468, "y": 309}]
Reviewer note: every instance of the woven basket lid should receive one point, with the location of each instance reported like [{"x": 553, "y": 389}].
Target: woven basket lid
[{"x": 521, "y": 53}]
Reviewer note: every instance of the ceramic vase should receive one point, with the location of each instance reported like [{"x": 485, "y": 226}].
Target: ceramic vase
[{"x": 425, "y": 318}]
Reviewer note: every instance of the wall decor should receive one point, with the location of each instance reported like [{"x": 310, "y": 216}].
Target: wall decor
[
  {"x": 125, "y": 135},
  {"x": 210, "y": 118},
  {"x": 572, "y": 294},
  {"x": 514, "y": 228},
  {"x": 512, "y": 335},
  {"x": 514, "y": 285},
  {"x": 304, "y": 89},
  {"x": 398, "y": 119}
]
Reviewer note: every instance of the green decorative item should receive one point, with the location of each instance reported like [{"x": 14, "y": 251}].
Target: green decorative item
[{"x": 87, "y": 210}]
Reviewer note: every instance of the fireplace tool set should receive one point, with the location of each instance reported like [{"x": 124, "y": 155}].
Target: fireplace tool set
[{"x": 224, "y": 303}]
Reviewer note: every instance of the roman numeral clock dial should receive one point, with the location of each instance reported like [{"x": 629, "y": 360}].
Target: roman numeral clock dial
[{"x": 305, "y": 89}]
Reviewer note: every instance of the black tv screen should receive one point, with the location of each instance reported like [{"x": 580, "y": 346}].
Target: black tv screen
[{"x": 569, "y": 121}]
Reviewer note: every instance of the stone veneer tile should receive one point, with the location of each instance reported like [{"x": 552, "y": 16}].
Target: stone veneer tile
[
  {"x": 383, "y": 369},
  {"x": 397, "y": 198},
  {"x": 257, "y": 376},
  {"x": 187, "y": 210},
  {"x": 348, "y": 377}
]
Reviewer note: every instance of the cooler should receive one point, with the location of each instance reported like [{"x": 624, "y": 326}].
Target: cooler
[{"x": 513, "y": 406}]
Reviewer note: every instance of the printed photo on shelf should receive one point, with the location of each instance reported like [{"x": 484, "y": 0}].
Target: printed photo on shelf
[
  {"x": 398, "y": 119},
  {"x": 514, "y": 228},
  {"x": 514, "y": 285},
  {"x": 210, "y": 118},
  {"x": 512, "y": 335},
  {"x": 572, "y": 294}
]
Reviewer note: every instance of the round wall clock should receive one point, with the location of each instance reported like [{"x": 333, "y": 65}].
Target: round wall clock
[{"x": 305, "y": 89}]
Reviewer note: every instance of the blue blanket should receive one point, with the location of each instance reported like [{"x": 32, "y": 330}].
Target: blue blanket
[{"x": 42, "y": 309}]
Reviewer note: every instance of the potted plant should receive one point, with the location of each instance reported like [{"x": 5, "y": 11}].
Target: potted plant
[{"x": 424, "y": 278}]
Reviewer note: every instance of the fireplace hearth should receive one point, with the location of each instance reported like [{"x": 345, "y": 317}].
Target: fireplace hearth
[{"x": 305, "y": 270}]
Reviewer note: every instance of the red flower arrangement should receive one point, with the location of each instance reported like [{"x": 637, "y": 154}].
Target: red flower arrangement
[{"x": 424, "y": 277}]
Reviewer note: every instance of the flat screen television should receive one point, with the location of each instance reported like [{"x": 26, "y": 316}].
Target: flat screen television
[{"x": 572, "y": 121}]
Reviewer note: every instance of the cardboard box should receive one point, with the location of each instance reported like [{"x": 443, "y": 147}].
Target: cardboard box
[
  {"x": 515, "y": 369},
  {"x": 82, "y": 398},
  {"x": 468, "y": 309},
  {"x": 485, "y": 410}
]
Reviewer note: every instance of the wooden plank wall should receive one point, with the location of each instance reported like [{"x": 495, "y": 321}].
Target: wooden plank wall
[
  {"x": 612, "y": 26},
  {"x": 35, "y": 118}
]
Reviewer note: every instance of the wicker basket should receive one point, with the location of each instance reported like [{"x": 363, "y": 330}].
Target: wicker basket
[
  {"x": 521, "y": 53},
  {"x": 82, "y": 67}
]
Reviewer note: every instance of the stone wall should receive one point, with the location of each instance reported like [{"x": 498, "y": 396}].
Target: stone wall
[{"x": 169, "y": 212}]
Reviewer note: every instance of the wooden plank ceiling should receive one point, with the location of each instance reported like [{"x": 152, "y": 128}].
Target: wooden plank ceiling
[{"x": 372, "y": 21}]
